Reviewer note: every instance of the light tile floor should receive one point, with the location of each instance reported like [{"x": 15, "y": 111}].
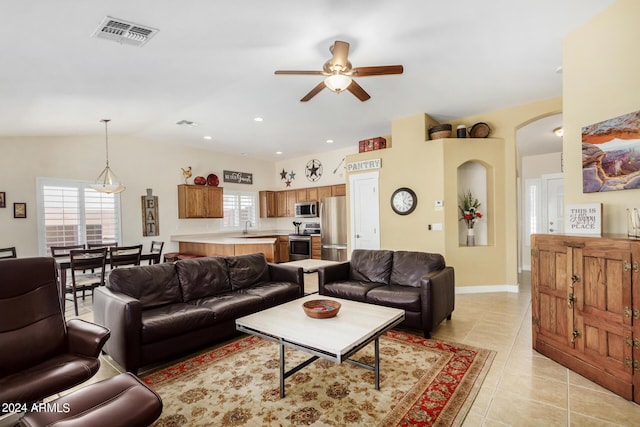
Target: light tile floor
[{"x": 523, "y": 388}]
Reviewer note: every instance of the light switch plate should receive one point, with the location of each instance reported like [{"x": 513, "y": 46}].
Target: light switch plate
[{"x": 439, "y": 203}]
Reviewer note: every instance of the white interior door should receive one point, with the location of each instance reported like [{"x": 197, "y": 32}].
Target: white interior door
[
  {"x": 553, "y": 203},
  {"x": 365, "y": 211}
]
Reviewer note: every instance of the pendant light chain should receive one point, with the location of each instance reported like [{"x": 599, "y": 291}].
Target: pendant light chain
[{"x": 106, "y": 136}]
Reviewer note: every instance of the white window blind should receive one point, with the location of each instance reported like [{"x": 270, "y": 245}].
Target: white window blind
[
  {"x": 71, "y": 213},
  {"x": 239, "y": 207}
]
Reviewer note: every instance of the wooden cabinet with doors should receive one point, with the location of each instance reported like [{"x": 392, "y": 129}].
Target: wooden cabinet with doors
[
  {"x": 199, "y": 201},
  {"x": 302, "y": 195},
  {"x": 286, "y": 203},
  {"x": 325, "y": 191},
  {"x": 586, "y": 307},
  {"x": 283, "y": 249},
  {"x": 267, "y": 204},
  {"x": 316, "y": 247},
  {"x": 339, "y": 190}
]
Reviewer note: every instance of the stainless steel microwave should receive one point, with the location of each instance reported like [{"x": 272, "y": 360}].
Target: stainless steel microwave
[{"x": 306, "y": 209}]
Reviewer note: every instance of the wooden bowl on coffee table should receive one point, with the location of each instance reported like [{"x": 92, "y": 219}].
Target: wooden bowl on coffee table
[{"x": 321, "y": 308}]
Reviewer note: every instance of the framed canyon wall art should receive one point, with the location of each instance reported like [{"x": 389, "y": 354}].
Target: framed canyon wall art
[{"x": 611, "y": 154}]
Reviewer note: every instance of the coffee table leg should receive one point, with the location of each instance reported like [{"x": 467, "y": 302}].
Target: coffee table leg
[
  {"x": 377, "y": 363},
  {"x": 281, "y": 371}
]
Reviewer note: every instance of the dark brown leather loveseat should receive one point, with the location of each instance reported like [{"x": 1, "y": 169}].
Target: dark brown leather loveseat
[
  {"x": 160, "y": 311},
  {"x": 418, "y": 282}
]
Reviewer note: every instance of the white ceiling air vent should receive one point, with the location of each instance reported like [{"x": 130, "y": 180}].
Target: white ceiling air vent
[{"x": 123, "y": 32}]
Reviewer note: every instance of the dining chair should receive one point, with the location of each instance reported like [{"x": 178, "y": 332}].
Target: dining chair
[
  {"x": 10, "y": 252},
  {"x": 124, "y": 255},
  {"x": 63, "y": 251},
  {"x": 95, "y": 245},
  {"x": 156, "y": 250},
  {"x": 87, "y": 271}
]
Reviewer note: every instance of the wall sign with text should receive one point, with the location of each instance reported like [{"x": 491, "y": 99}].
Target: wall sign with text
[
  {"x": 583, "y": 219},
  {"x": 237, "y": 177}
]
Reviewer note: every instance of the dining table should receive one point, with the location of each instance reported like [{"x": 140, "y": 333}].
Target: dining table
[{"x": 64, "y": 263}]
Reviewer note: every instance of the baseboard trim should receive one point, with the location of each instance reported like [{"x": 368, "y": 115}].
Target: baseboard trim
[{"x": 486, "y": 289}]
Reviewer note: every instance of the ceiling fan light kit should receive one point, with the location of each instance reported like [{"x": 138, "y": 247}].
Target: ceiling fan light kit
[{"x": 339, "y": 73}]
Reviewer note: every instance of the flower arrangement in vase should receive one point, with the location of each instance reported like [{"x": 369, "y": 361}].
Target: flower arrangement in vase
[{"x": 469, "y": 213}]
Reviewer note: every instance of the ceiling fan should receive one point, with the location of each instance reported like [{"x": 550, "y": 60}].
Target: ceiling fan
[{"x": 339, "y": 73}]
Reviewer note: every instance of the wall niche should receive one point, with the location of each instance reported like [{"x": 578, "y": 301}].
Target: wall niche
[{"x": 475, "y": 176}]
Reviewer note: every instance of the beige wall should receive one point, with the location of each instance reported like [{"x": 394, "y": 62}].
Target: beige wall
[
  {"x": 140, "y": 164},
  {"x": 601, "y": 68}
]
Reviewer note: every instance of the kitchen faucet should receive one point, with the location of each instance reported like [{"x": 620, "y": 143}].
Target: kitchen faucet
[{"x": 246, "y": 224}]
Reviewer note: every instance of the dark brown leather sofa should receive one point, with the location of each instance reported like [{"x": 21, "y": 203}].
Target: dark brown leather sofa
[
  {"x": 161, "y": 311},
  {"x": 40, "y": 353},
  {"x": 418, "y": 282}
]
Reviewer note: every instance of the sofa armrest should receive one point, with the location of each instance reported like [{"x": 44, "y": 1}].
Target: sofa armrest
[
  {"x": 86, "y": 338},
  {"x": 332, "y": 273},
  {"x": 122, "y": 314},
  {"x": 438, "y": 296},
  {"x": 287, "y": 273}
]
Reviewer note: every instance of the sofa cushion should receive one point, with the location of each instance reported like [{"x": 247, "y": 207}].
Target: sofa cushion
[
  {"x": 168, "y": 321},
  {"x": 154, "y": 285},
  {"x": 404, "y": 297},
  {"x": 352, "y": 290},
  {"x": 371, "y": 265},
  {"x": 231, "y": 305},
  {"x": 247, "y": 270},
  {"x": 203, "y": 277},
  {"x": 274, "y": 293},
  {"x": 409, "y": 267}
]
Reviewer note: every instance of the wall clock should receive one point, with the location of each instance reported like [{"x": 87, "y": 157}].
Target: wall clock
[
  {"x": 313, "y": 170},
  {"x": 403, "y": 201}
]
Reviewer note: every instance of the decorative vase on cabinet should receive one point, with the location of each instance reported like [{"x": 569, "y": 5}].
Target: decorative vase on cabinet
[{"x": 471, "y": 237}]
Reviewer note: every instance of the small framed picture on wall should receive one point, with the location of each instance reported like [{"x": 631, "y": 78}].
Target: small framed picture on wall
[
  {"x": 3, "y": 199},
  {"x": 19, "y": 210}
]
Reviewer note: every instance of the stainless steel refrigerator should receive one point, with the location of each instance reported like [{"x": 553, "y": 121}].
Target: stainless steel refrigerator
[{"x": 333, "y": 228}]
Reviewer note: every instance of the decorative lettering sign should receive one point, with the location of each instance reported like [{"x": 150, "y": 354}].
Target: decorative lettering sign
[
  {"x": 364, "y": 165},
  {"x": 584, "y": 219},
  {"x": 237, "y": 177}
]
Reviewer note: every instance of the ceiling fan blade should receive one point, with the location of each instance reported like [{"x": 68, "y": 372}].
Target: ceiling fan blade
[
  {"x": 303, "y": 73},
  {"x": 379, "y": 70},
  {"x": 357, "y": 90},
  {"x": 340, "y": 52},
  {"x": 316, "y": 90}
]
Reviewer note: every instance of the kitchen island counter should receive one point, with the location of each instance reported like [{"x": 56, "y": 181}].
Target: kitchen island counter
[{"x": 229, "y": 244}]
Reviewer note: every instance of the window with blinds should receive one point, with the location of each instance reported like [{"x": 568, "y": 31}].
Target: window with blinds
[
  {"x": 72, "y": 213},
  {"x": 239, "y": 207}
]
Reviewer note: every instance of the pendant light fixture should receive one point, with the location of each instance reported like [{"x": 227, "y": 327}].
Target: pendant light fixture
[{"x": 107, "y": 181}]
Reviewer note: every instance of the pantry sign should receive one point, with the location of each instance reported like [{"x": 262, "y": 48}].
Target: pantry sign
[{"x": 364, "y": 165}]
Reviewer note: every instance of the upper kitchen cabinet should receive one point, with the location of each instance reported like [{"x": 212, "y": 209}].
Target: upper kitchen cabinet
[
  {"x": 302, "y": 195},
  {"x": 339, "y": 190},
  {"x": 324, "y": 192},
  {"x": 196, "y": 201},
  {"x": 267, "y": 204},
  {"x": 285, "y": 203}
]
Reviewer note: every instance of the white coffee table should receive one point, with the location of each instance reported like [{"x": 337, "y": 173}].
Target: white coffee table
[{"x": 336, "y": 338}]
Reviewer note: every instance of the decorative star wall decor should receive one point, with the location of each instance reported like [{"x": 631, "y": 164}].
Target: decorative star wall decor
[
  {"x": 292, "y": 175},
  {"x": 288, "y": 183},
  {"x": 313, "y": 170},
  {"x": 283, "y": 175}
]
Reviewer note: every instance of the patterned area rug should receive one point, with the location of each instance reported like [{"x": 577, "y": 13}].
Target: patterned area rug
[{"x": 422, "y": 383}]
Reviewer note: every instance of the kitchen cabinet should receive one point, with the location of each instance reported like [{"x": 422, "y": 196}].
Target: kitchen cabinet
[
  {"x": 316, "y": 247},
  {"x": 586, "y": 307},
  {"x": 286, "y": 203},
  {"x": 283, "y": 249},
  {"x": 267, "y": 204},
  {"x": 339, "y": 190},
  {"x": 325, "y": 191},
  {"x": 199, "y": 201},
  {"x": 302, "y": 195}
]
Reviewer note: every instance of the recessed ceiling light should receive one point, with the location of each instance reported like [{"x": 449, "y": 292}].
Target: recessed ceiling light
[
  {"x": 559, "y": 70},
  {"x": 207, "y": 137},
  {"x": 258, "y": 119},
  {"x": 559, "y": 131},
  {"x": 278, "y": 152},
  {"x": 329, "y": 141}
]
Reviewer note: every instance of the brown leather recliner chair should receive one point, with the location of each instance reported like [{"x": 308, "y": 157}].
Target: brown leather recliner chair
[{"x": 40, "y": 354}]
